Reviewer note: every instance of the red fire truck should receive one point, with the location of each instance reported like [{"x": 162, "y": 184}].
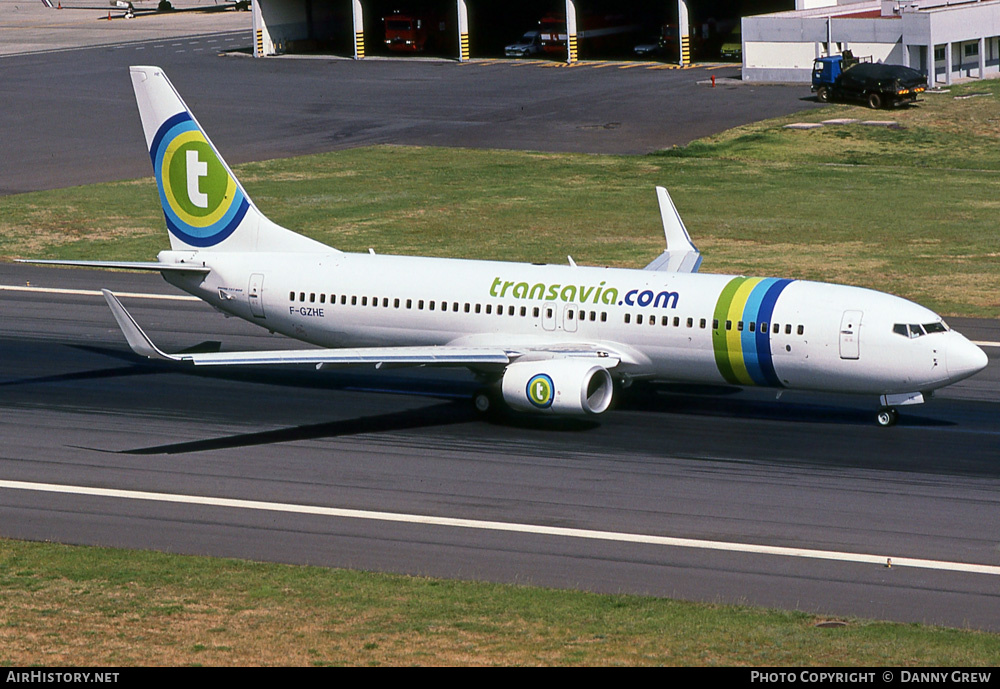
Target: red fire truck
[{"x": 415, "y": 33}]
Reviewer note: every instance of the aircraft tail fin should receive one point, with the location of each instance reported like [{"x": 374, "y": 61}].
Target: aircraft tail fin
[{"x": 205, "y": 206}]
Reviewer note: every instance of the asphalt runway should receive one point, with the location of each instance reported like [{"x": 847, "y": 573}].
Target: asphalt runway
[
  {"x": 687, "y": 493},
  {"x": 718, "y": 495}
]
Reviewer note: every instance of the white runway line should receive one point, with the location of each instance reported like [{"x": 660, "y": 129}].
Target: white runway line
[{"x": 880, "y": 560}]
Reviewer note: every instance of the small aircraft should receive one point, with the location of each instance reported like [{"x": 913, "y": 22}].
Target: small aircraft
[{"x": 543, "y": 339}]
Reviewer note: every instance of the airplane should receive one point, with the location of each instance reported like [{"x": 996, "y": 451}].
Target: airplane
[{"x": 543, "y": 339}]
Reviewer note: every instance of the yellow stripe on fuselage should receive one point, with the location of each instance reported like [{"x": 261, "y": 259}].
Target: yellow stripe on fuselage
[{"x": 734, "y": 337}]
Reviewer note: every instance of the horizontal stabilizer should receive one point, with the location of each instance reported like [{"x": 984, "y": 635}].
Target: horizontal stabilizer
[
  {"x": 123, "y": 265},
  {"x": 680, "y": 256}
]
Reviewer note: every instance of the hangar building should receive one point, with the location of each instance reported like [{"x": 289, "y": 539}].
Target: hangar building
[{"x": 944, "y": 39}]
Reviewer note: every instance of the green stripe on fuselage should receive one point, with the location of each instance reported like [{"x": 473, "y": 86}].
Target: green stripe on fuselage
[{"x": 719, "y": 340}]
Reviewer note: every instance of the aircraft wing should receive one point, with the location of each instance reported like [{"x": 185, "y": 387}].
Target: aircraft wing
[{"x": 377, "y": 356}]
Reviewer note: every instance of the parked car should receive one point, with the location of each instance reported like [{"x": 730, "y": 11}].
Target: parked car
[
  {"x": 649, "y": 47},
  {"x": 878, "y": 85},
  {"x": 732, "y": 48},
  {"x": 530, "y": 44}
]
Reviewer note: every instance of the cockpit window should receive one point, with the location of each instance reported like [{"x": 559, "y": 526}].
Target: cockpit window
[{"x": 912, "y": 330}]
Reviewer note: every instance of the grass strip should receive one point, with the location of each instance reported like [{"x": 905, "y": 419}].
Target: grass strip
[{"x": 67, "y": 605}]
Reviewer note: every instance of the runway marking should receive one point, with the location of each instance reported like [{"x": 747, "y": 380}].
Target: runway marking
[
  {"x": 95, "y": 293},
  {"x": 861, "y": 558}
]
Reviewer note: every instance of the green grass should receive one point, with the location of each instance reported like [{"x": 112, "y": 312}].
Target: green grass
[
  {"x": 911, "y": 210},
  {"x": 65, "y": 605}
]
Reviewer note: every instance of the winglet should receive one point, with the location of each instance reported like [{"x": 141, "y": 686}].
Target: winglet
[
  {"x": 137, "y": 339},
  {"x": 681, "y": 255}
]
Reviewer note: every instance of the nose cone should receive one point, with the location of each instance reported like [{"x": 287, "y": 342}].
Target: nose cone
[{"x": 965, "y": 359}]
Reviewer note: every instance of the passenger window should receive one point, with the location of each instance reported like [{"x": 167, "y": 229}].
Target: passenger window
[
  {"x": 628, "y": 318},
  {"x": 638, "y": 319},
  {"x": 302, "y": 296},
  {"x": 788, "y": 328},
  {"x": 729, "y": 325},
  {"x": 753, "y": 325},
  {"x": 354, "y": 300},
  {"x": 801, "y": 330},
  {"x": 665, "y": 320},
  {"x": 604, "y": 316},
  {"x": 739, "y": 326},
  {"x": 777, "y": 328},
  {"x": 535, "y": 312},
  {"x": 690, "y": 322},
  {"x": 703, "y": 323}
]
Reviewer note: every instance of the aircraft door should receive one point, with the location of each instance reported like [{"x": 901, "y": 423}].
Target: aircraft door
[
  {"x": 850, "y": 335},
  {"x": 255, "y": 295},
  {"x": 571, "y": 314}
]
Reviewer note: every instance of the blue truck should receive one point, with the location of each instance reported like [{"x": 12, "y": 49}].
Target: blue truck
[{"x": 845, "y": 77}]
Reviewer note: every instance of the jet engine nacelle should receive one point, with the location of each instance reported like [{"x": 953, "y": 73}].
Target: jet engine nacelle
[{"x": 558, "y": 386}]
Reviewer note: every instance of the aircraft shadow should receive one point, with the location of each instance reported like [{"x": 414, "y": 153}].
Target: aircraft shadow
[{"x": 445, "y": 414}]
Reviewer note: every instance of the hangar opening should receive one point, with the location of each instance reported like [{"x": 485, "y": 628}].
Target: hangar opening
[{"x": 666, "y": 30}]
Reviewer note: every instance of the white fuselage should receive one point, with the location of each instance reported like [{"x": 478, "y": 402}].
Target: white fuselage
[{"x": 685, "y": 327}]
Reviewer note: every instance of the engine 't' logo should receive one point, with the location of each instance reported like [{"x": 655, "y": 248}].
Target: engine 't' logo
[{"x": 541, "y": 391}]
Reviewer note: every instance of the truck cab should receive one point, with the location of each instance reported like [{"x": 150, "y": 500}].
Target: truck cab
[{"x": 827, "y": 69}]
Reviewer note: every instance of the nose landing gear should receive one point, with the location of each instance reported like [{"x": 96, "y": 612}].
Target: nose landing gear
[{"x": 887, "y": 416}]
